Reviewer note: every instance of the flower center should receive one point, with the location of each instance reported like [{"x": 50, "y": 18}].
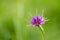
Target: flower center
[{"x": 37, "y": 22}]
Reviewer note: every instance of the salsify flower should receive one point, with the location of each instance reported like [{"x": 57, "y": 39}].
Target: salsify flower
[{"x": 38, "y": 20}]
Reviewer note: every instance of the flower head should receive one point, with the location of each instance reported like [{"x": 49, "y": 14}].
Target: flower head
[{"x": 37, "y": 20}]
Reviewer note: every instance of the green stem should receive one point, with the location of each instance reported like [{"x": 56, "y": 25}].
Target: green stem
[
  {"x": 42, "y": 32},
  {"x": 43, "y": 36}
]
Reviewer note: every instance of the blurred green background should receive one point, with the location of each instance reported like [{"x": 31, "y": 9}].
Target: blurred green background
[{"x": 15, "y": 15}]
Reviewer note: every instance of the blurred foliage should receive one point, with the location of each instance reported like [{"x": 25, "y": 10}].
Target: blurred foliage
[{"x": 15, "y": 15}]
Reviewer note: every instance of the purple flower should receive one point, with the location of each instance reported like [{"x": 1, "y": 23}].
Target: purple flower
[{"x": 37, "y": 20}]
